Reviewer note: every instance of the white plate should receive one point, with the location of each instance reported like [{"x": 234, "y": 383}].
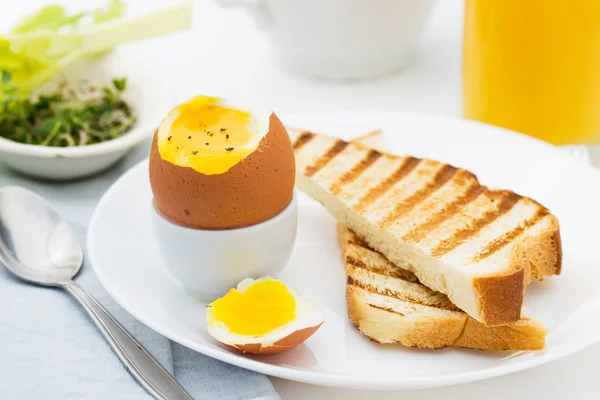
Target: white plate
[{"x": 123, "y": 251}]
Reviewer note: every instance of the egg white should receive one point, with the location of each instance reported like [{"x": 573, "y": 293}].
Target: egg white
[{"x": 307, "y": 315}]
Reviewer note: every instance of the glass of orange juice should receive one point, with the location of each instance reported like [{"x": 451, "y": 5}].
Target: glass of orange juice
[{"x": 533, "y": 66}]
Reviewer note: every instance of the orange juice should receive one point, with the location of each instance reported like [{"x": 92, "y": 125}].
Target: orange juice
[{"x": 533, "y": 66}]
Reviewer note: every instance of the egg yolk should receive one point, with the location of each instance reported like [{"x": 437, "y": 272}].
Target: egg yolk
[
  {"x": 208, "y": 137},
  {"x": 263, "y": 307}
]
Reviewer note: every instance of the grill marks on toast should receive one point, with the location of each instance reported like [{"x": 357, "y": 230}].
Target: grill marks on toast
[
  {"x": 509, "y": 236},
  {"x": 302, "y": 139},
  {"x": 381, "y": 269},
  {"x": 337, "y": 148},
  {"x": 365, "y": 268},
  {"x": 390, "y": 310},
  {"x": 408, "y": 164},
  {"x": 435, "y": 300},
  {"x": 443, "y": 175},
  {"x": 353, "y": 173},
  {"x": 506, "y": 200},
  {"x": 449, "y": 211}
]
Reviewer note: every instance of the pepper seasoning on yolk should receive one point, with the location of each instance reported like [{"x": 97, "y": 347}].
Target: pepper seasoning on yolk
[
  {"x": 209, "y": 137},
  {"x": 221, "y": 164}
]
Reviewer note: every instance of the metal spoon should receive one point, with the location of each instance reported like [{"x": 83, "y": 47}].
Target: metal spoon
[{"x": 39, "y": 247}]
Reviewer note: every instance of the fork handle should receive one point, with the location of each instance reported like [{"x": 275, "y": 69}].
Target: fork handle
[{"x": 139, "y": 362}]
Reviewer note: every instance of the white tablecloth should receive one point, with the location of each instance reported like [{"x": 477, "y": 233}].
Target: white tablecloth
[{"x": 225, "y": 55}]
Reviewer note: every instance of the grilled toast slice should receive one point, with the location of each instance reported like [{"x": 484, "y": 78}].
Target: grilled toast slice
[
  {"x": 388, "y": 304},
  {"x": 457, "y": 236},
  {"x": 376, "y": 140}
]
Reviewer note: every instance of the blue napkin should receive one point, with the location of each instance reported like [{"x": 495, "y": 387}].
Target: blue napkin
[{"x": 49, "y": 349}]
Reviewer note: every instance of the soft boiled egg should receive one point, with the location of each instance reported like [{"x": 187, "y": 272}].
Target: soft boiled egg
[
  {"x": 221, "y": 164},
  {"x": 263, "y": 316}
]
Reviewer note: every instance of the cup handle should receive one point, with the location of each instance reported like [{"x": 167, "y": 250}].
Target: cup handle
[{"x": 256, "y": 7}]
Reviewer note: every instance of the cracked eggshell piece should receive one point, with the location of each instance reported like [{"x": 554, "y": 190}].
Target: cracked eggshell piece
[{"x": 307, "y": 319}]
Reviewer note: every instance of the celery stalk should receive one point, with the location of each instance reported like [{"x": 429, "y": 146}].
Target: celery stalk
[
  {"x": 112, "y": 33},
  {"x": 161, "y": 22},
  {"x": 35, "y": 56}
]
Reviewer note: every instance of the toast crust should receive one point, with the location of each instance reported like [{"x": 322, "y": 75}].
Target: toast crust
[
  {"x": 541, "y": 255},
  {"x": 500, "y": 297}
]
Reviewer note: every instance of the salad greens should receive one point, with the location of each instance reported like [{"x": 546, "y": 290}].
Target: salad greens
[
  {"x": 72, "y": 115},
  {"x": 46, "y": 42}
]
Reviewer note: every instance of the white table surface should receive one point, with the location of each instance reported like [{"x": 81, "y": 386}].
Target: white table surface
[{"x": 226, "y": 56}]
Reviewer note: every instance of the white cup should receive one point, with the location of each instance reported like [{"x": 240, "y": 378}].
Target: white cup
[
  {"x": 340, "y": 39},
  {"x": 210, "y": 262}
]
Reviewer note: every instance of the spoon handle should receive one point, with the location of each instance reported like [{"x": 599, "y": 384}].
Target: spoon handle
[{"x": 138, "y": 361}]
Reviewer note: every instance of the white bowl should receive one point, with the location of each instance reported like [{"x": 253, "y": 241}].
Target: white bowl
[
  {"x": 148, "y": 95},
  {"x": 210, "y": 262}
]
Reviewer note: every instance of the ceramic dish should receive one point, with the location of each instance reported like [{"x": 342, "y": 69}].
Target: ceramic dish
[
  {"x": 123, "y": 252},
  {"x": 149, "y": 97}
]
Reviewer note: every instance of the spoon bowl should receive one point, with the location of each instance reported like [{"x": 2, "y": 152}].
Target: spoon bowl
[{"x": 36, "y": 244}]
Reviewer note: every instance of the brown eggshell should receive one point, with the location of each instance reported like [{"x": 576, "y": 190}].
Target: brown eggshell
[
  {"x": 253, "y": 191},
  {"x": 290, "y": 341}
]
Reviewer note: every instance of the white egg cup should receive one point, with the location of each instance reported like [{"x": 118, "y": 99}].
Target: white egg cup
[{"x": 210, "y": 262}]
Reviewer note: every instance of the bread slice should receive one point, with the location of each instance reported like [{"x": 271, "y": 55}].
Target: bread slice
[
  {"x": 376, "y": 140},
  {"x": 388, "y": 304},
  {"x": 457, "y": 236}
]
